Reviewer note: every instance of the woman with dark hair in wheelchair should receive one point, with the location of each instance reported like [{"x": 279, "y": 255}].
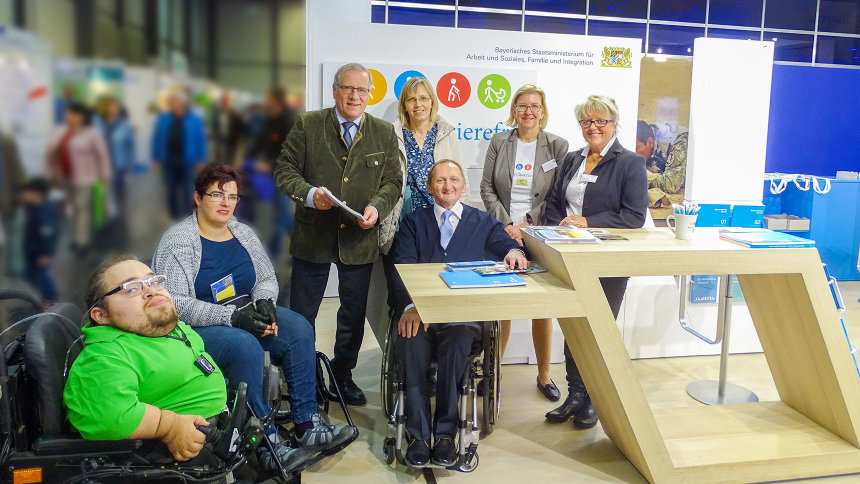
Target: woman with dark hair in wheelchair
[{"x": 224, "y": 286}]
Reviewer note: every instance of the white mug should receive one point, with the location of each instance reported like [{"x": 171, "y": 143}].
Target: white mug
[{"x": 684, "y": 225}]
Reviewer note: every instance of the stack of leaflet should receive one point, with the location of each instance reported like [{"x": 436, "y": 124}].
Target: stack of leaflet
[
  {"x": 763, "y": 238},
  {"x": 468, "y": 265},
  {"x": 471, "y": 280},
  {"x": 561, "y": 234}
]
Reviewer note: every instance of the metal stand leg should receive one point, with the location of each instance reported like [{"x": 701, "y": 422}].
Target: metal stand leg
[{"x": 719, "y": 392}]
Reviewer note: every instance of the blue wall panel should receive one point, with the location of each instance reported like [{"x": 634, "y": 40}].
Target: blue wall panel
[{"x": 814, "y": 125}]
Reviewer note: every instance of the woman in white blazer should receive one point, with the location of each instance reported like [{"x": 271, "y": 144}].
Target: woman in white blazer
[{"x": 518, "y": 173}]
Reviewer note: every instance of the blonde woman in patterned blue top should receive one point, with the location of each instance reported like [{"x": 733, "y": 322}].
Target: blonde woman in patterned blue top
[{"x": 424, "y": 138}]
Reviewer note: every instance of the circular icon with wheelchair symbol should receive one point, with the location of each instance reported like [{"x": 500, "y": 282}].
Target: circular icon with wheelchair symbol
[
  {"x": 401, "y": 80},
  {"x": 453, "y": 90},
  {"x": 494, "y": 91},
  {"x": 378, "y": 88}
]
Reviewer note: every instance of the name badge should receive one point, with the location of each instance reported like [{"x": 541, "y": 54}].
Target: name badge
[
  {"x": 589, "y": 178},
  {"x": 223, "y": 288},
  {"x": 549, "y": 165}
]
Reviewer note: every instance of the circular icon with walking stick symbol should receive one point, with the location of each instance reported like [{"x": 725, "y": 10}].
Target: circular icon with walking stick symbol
[
  {"x": 453, "y": 90},
  {"x": 494, "y": 91}
]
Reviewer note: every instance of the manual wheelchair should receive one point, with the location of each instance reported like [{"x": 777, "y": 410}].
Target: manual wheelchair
[{"x": 482, "y": 376}]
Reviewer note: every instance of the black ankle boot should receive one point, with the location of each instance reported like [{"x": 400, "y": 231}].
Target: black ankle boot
[
  {"x": 586, "y": 416},
  {"x": 568, "y": 408}
]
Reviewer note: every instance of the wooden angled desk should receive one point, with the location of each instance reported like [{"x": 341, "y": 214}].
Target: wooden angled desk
[{"x": 814, "y": 430}]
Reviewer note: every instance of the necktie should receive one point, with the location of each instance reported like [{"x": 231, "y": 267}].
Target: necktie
[
  {"x": 347, "y": 134},
  {"x": 446, "y": 229}
]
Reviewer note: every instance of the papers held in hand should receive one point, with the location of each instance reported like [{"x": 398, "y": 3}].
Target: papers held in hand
[
  {"x": 344, "y": 206},
  {"x": 471, "y": 280},
  {"x": 561, "y": 234}
]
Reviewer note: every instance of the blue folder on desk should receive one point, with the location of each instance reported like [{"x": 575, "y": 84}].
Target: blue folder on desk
[{"x": 471, "y": 280}]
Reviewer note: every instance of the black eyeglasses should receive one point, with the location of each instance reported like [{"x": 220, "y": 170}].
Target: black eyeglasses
[
  {"x": 600, "y": 123},
  {"x": 134, "y": 288},
  {"x": 362, "y": 91}
]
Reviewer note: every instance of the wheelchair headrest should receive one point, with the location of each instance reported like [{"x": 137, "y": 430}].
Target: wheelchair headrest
[{"x": 50, "y": 345}]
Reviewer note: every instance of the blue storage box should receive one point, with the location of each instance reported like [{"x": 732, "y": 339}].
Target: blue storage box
[
  {"x": 714, "y": 215},
  {"x": 703, "y": 289},
  {"x": 747, "y": 215}
]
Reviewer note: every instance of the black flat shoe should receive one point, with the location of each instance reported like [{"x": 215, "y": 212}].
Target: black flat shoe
[
  {"x": 444, "y": 452},
  {"x": 352, "y": 395},
  {"x": 418, "y": 453},
  {"x": 550, "y": 391},
  {"x": 586, "y": 416},
  {"x": 567, "y": 409}
]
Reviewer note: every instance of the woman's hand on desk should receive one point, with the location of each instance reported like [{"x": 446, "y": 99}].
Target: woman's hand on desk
[
  {"x": 409, "y": 323},
  {"x": 575, "y": 220},
  {"x": 514, "y": 231},
  {"x": 516, "y": 259}
]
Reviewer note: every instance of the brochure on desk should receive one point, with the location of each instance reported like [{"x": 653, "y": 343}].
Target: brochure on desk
[
  {"x": 473, "y": 280},
  {"x": 561, "y": 234},
  {"x": 764, "y": 239}
]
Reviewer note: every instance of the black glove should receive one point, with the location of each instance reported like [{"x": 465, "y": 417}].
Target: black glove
[
  {"x": 266, "y": 308},
  {"x": 248, "y": 320}
]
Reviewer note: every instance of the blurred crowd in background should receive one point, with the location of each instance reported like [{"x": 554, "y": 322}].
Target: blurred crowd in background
[{"x": 93, "y": 195}]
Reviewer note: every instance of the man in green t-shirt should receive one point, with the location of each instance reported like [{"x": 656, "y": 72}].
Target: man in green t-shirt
[{"x": 142, "y": 374}]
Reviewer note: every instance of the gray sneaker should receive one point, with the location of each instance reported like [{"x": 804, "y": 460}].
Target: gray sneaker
[
  {"x": 289, "y": 457},
  {"x": 323, "y": 436}
]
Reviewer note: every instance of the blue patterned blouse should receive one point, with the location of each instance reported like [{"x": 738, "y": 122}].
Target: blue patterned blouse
[{"x": 418, "y": 164}]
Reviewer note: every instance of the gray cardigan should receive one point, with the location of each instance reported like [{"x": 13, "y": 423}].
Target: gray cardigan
[
  {"x": 499, "y": 171},
  {"x": 178, "y": 257}
]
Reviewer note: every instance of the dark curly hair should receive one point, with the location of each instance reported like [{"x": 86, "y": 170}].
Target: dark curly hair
[{"x": 219, "y": 173}]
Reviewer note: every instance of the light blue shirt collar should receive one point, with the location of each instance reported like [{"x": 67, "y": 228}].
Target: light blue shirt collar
[{"x": 355, "y": 122}]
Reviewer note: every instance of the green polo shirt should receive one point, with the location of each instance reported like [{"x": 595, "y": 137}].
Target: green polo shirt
[{"x": 118, "y": 373}]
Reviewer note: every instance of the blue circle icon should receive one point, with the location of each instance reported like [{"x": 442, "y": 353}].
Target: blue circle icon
[
  {"x": 401, "y": 80},
  {"x": 519, "y": 166}
]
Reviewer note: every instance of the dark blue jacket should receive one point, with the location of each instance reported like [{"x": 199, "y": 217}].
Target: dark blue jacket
[
  {"x": 619, "y": 197},
  {"x": 194, "y": 136},
  {"x": 478, "y": 236},
  {"x": 41, "y": 230}
]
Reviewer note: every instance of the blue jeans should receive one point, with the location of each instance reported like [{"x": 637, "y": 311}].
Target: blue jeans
[{"x": 239, "y": 355}]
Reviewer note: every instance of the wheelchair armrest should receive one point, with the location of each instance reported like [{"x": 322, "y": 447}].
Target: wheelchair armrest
[{"x": 69, "y": 444}]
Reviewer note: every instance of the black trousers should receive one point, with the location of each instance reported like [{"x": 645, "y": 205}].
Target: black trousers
[
  {"x": 307, "y": 287},
  {"x": 613, "y": 288},
  {"x": 454, "y": 344}
]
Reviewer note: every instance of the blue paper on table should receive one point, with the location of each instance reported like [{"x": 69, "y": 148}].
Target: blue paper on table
[
  {"x": 471, "y": 279},
  {"x": 468, "y": 265},
  {"x": 765, "y": 239}
]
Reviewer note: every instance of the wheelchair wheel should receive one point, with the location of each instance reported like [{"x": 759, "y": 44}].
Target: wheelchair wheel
[
  {"x": 469, "y": 466},
  {"x": 388, "y": 450},
  {"x": 390, "y": 374},
  {"x": 491, "y": 375}
]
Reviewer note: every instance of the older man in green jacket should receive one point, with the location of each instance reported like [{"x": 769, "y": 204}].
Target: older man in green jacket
[{"x": 355, "y": 157}]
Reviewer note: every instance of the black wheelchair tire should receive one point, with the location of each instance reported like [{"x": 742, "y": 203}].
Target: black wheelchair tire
[{"x": 491, "y": 376}]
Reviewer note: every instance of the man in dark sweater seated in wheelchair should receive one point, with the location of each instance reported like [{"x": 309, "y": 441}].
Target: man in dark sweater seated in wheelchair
[
  {"x": 447, "y": 232},
  {"x": 142, "y": 374}
]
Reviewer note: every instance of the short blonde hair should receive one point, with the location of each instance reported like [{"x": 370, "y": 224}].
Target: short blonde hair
[
  {"x": 597, "y": 104},
  {"x": 528, "y": 89},
  {"x": 412, "y": 84}
]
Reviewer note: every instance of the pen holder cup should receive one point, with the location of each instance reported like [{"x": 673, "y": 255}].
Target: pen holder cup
[{"x": 683, "y": 225}]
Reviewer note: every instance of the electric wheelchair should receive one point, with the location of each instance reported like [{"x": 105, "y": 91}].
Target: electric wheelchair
[
  {"x": 37, "y": 443},
  {"x": 481, "y": 379}
]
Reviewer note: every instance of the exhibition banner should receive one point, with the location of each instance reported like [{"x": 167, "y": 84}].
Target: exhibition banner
[{"x": 475, "y": 73}]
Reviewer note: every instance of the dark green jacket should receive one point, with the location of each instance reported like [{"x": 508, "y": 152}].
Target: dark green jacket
[{"x": 369, "y": 173}]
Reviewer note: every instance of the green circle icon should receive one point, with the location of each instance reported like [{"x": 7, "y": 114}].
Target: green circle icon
[{"x": 494, "y": 91}]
